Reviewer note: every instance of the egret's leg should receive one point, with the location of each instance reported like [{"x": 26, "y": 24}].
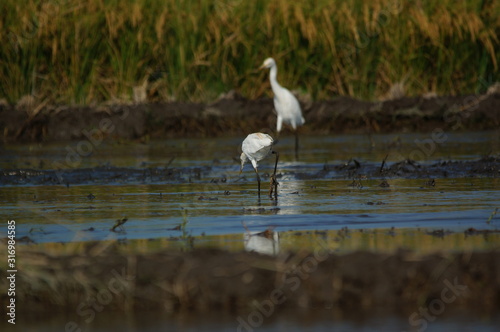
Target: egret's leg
[
  {"x": 276, "y": 138},
  {"x": 296, "y": 144},
  {"x": 276, "y": 162},
  {"x": 258, "y": 180},
  {"x": 279, "y": 123},
  {"x": 274, "y": 183}
]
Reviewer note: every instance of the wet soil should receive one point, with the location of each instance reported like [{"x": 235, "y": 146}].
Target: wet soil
[
  {"x": 101, "y": 175},
  {"x": 212, "y": 279},
  {"x": 358, "y": 171},
  {"x": 234, "y": 115}
]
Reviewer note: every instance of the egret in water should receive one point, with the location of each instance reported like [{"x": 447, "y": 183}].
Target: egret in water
[
  {"x": 256, "y": 147},
  {"x": 287, "y": 106}
]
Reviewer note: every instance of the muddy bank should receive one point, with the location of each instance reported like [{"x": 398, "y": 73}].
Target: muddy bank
[
  {"x": 408, "y": 169},
  {"x": 235, "y": 115},
  {"x": 102, "y": 175},
  {"x": 210, "y": 279}
]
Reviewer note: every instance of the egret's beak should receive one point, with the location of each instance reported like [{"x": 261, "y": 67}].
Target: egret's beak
[
  {"x": 262, "y": 66},
  {"x": 243, "y": 159}
]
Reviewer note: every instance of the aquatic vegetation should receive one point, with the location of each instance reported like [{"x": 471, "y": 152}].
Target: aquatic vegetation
[{"x": 66, "y": 52}]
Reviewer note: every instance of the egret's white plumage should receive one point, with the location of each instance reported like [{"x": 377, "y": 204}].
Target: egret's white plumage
[
  {"x": 256, "y": 147},
  {"x": 287, "y": 106}
]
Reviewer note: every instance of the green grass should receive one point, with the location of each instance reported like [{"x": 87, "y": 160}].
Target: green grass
[{"x": 68, "y": 51}]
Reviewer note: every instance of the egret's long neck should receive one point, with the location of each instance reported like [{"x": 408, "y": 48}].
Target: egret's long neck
[
  {"x": 243, "y": 158},
  {"x": 273, "y": 78}
]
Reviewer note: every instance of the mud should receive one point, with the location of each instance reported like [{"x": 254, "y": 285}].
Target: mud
[
  {"x": 235, "y": 115},
  {"x": 101, "y": 175},
  {"x": 211, "y": 279},
  {"x": 409, "y": 169}
]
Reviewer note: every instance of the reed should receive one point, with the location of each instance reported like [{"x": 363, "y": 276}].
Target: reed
[{"x": 68, "y": 51}]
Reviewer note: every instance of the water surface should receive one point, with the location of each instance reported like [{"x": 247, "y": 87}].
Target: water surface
[{"x": 214, "y": 199}]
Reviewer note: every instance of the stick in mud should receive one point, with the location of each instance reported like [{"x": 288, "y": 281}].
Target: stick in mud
[
  {"x": 383, "y": 163},
  {"x": 274, "y": 183}
]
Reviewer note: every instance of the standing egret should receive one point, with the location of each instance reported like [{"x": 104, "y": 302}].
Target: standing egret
[
  {"x": 256, "y": 147},
  {"x": 287, "y": 106}
]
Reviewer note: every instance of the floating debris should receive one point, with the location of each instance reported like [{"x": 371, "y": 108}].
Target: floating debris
[
  {"x": 25, "y": 239},
  {"x": 384, "y": 184},
  {"x": 492, "y": 215},
  {"x": 206, "y": 198},
  {"x": 438, "y": 233},
  {"x": 473, "y": 231},
  {"x": 430, "y": 183},
  {"x": 37, "y": 229},
  {"x": 356, "y": 184},
  {"x": 119, "y": 224}
]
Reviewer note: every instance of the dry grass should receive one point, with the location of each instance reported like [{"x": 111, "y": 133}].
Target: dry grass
[{"x": 70, "y": 52}]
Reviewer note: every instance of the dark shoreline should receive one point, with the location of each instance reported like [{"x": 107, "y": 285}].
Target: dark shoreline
[
  {"x": 237, "y": 116},
  {"x": 212, "y": 279}
]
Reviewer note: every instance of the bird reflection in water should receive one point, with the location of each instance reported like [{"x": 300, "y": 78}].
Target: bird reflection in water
[{"x": 266, "y": 242}]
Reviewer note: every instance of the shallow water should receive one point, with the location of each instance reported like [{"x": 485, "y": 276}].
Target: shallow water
[
  {"x": 315, "y": 150},
  {"x": 217, "y": 200},
  {"x": 57, "y": 213}
]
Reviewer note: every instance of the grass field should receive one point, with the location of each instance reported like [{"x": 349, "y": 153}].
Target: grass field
[{"x": 86, "y": 52}]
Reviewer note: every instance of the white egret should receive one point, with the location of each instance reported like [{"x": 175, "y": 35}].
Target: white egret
[
  {"x": 256, "y": 147},
  {"x": 287, "y": 106}
]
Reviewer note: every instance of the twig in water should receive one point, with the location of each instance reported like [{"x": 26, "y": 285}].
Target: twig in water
[
  {"x": 118, "y": 223},
  {"x": 492, "y": 215}
]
